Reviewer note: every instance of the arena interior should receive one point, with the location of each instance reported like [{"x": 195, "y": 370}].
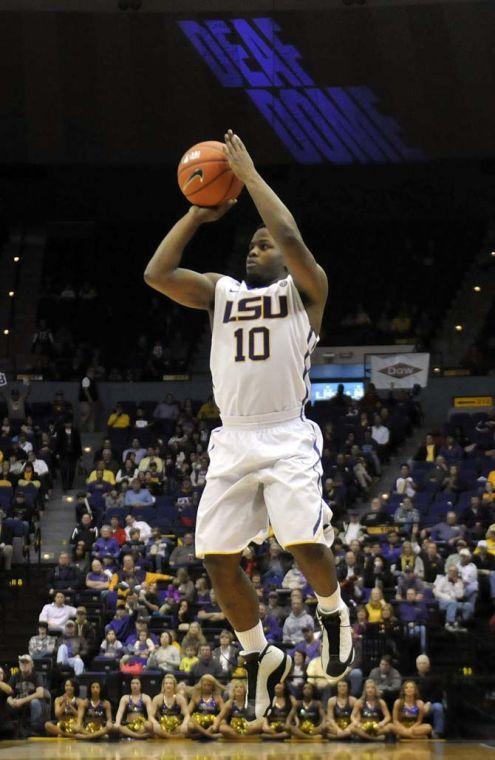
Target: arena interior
[{"x": 374, "y": 120}]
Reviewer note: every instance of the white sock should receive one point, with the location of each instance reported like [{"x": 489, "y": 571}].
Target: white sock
[
  {"x": 330, "y": 604},
  {"x": 252, "y": 640}
]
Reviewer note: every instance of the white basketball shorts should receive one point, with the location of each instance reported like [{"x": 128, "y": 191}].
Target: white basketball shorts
[{"x": 261, "y": 480}]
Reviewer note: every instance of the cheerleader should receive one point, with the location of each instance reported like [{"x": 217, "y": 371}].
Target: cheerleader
[
  {"x": 169, "y": 715},
  {"x": 408, "y": 714},
  {"x": 370, "y": 715},
  {"x": 94, "y": 719},
  {"x": 306, "y": 719},
  {"x": 66, "y": 711},
  {"x": 233, "y": 722},
  {"x": 204, "y": 708},
  {"x": 275, "y": 726},
  {"x": 339, "y": 711},
  {"x": 134, "y": 710}
]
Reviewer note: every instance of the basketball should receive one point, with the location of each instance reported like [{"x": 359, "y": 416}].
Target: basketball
[{"x": 205, "y": 177}]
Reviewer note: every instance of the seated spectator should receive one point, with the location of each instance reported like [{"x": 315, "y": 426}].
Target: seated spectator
[
  {"x": 438, "y": 474},
  {"x": 310, "y": 646},
  {"x": 194, "y": 636},
  {"x": 391, "y": 550},
  {"x": 128, "y": 472},
  {"x": 84, "y": 628},
  {"x": 21, "y": 510},
  {"x": 387, "y": 679},
  {"x": 57, "y": 613},
  {"x": 452, "y": 483},
  {"x": 294, "y": 578},
  {"x": 455, "y": 557},
  {"x": 141, "y": 650},
  {"x": 431, "y": 691},
  {"x": 100, "y": 475},
  {"x": 27, "y": 701},
  {"x": 351, "y": 528},
  {"x": 113, "y": 499},
  {"x": 270, "y": 623},
  {"x": 405, "y": 484},
  {"x": 138, "y": 497},
  {"x": 97, "y": 579},
  {"x": 432, "y": 562},
  {"x": 451, "y": 451},
  {"x": 42, "y": 645},
  {"x": 206, "y": 665},
  {"x": 188, "y": 659},
  {"x": 208, "y": 410},
  {"x": 65, "y": 576},
  {"x": 81, "y": 558},
  {"x": 106, "y": 545},
  {"x": 409, "y": 579},
  {"x": 485, "y": 563},
  {"x": 296, "y": 621},
  {"x": 135, "y": 546},
  {"x": 148, "y": 599},
  {"x": 141, "y": 525},
  {"x": 127, "y": 577},
  {"x": 468, "y": 572},
  {"x": 136, "y": 450},
  {"x": 376, "y": 518},
  {"x": 406, "y": 517},
  {"x": 476, "y": 518},
  {"x": 168, "y": 409},
  {"x": 185, "y": 554},
  {"x": 375, "y": 606},
  {"x": 450, "y": 592},
  {"x": 117, "y": 531},
  {"x": 447, "y": 531},
  {"x": 427, "y": 452},
  {"x": 119, "y": 419},
  {"x": 211, "y": 612},
  {"x": 165, "y": 657},
  {"x": 85, "y": 532},
  {"x": 71, "y": 649},
  {"x": 111, "y": 647},
  {"x": 409, "y": 559},
  {"x": 376, "y": 573},
  {"x": 6, "y": 543},
  {"x": 413, "y": 612},
  {"x": 226, "y": 654},
  {"x": 151, "y": 457}
]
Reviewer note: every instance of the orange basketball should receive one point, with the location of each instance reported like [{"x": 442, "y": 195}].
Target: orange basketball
[{"x": 205, "y": 177}]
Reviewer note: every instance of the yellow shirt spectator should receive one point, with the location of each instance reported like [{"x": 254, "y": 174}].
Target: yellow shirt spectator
[
  {"x": 491, "y": 478},
  {"x": 209, "y": 411},
  {"x": 430, "y": 452},
  {"x": 119, "y": 420},
  {"x": 108, "y": 477},
  {"x": 186, "y": 663}
]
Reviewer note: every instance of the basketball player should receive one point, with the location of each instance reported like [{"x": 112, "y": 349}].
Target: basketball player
[{"x": 265, "y": 469}]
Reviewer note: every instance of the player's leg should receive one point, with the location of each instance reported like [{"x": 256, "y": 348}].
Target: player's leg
[
  {"x": 301, "y": 522},
  {"x": 266, "y": 665}
]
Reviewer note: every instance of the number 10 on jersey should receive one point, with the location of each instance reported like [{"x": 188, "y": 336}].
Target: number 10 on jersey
[{"x": 258, "y": 344}]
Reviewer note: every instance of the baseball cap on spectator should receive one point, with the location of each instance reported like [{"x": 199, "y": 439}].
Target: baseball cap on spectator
[
  {"x": 464, "y": 553},
  {"x": 25, "y": 658}
]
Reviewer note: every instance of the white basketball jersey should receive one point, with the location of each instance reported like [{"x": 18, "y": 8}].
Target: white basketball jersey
[{"x": 260, "y": 352}]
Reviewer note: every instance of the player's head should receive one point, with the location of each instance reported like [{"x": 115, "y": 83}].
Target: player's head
[{"x": 265, "y": 262}]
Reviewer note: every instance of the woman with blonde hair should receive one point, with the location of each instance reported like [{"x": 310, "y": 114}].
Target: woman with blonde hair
[
  {"x": 204, "y": 708},
  {"x": 370, "y": 715},
  {"x": 233, "y": 720},
  {"x": 169, "y": 714},
  {"x": 408, "y": 713},
  {"x": 194, "y": 636},
  {"x": 374, "y": 607}
]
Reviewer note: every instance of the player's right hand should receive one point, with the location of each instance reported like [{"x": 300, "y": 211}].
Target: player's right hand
[{"x": 204, "y": 215}]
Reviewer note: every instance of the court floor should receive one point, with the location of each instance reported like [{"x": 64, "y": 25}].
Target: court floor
[{"x": 61, "y": 749}]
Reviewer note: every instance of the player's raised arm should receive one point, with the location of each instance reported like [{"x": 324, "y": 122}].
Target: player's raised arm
[
  {"x": 308, "y": 275},
  {"x": 163, "y": 272}
]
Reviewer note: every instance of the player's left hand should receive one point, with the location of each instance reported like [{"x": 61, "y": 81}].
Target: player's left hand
[{"x": 239, "y": 159}]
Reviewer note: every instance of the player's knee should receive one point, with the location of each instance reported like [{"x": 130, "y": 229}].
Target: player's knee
[
  {"x": 308, "y": 552},
  {"x": 221, "y": 567}
]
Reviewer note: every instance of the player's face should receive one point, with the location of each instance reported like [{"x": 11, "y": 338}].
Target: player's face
[{"x": 265, "y": 262}]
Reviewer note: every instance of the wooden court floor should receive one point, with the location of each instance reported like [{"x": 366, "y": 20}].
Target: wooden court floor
[{"x": 61, "y": 749}]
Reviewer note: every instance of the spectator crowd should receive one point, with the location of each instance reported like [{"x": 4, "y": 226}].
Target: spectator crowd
[{"x": 130, "y": 607}]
